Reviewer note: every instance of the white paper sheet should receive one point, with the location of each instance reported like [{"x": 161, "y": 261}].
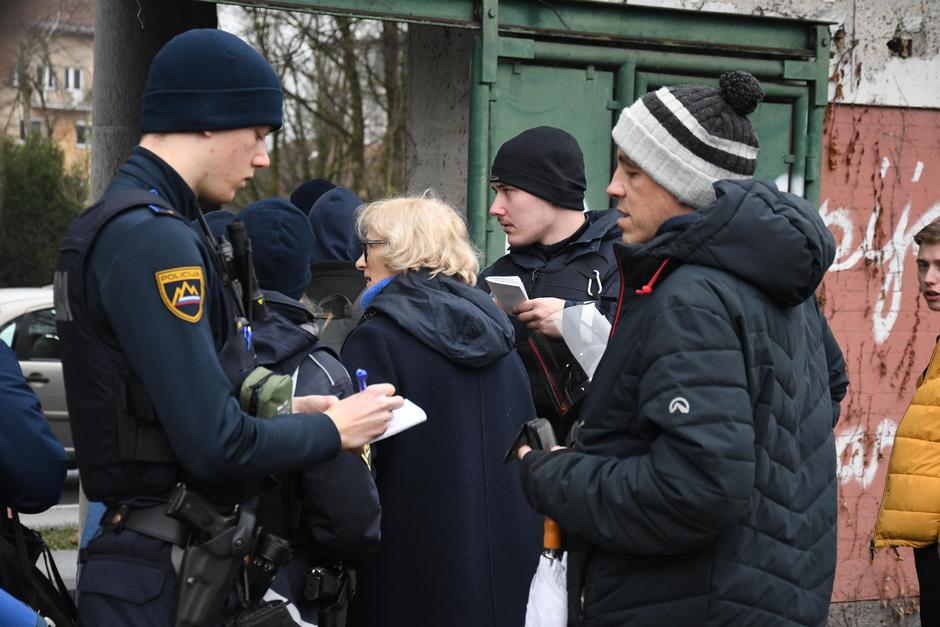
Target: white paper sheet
[
  {"x": 508, "y": 291},
  {"x": 405, "y": 417}
]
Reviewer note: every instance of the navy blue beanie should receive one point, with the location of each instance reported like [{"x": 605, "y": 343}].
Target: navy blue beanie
[
  {"x": 218, "y": 222},
  {"x": 333, "y": 218},
  {"x": 308, "y": 193},
  {"x": 209, "y": 80},
  {"x": 280, "y": 243}
]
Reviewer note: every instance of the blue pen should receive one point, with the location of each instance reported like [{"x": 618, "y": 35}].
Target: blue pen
[{"x": 361, "y": 378}]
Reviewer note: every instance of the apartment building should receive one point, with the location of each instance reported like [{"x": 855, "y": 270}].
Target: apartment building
[{"x": 46, "y": 82}]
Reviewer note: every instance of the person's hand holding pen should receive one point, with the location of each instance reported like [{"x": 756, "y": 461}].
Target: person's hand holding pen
[{"x": 362, "y": 417}]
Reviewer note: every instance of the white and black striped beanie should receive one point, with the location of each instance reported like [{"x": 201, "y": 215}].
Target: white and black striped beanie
[{"x": 686, "y": 137}]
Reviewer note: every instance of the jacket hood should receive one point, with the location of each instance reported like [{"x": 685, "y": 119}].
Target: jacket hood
[
  {"x": 773, "y": 240},
  {"x": 450, "y": 317},
  {"x": 281, "y": 239},
  {"x": 279, "y": 342},
  {"x": 333, "y": 218}
]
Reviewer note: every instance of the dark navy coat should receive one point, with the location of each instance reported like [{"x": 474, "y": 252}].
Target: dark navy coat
[
  {"x": 459, "y": 543},
  {"x": 702, "y": 488},
  {"x": 32, "y": 461}
]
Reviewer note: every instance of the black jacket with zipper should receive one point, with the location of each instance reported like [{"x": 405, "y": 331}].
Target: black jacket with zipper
[
  {"x": 702, "y": 487},
  {"x": 583, "y": 271}
]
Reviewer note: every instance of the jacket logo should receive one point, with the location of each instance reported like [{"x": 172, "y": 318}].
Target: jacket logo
[
  {"x": 182, "y": 291},
  {"x": 679, "y": 404}
]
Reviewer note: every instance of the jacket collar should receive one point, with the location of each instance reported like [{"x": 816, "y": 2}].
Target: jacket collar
[
  {"x": 602, "y": 226},
  {"x": 145, "y": 170}
]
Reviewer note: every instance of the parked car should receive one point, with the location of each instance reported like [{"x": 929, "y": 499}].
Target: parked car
[{"x": 27, "y": 325}]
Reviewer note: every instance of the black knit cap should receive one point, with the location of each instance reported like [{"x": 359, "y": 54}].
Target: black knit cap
[
  {"x": 209, "y": 80},
  {"x": 546, "y": 162}
]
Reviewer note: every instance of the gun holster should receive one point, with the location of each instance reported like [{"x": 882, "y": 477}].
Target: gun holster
[
  {"x": 332, "y": 587},
  {"x": 209, "y": 569},
  {"x": 206, "y": 576}
]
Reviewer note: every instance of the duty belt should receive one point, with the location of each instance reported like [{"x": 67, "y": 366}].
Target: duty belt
[{"x": 149, "y": 521}]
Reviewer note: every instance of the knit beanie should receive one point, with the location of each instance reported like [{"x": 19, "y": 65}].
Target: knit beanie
[
  {"x": 308, "y": 193},
  {"x": 209, "y": 80},
  {"x": 546, "y": 162},
  {"x": 218, "y": 221},
  {"x": 280, "y": 243},
  {"x": 687, "y": 137},
  {"x": 333, "y": 218}
]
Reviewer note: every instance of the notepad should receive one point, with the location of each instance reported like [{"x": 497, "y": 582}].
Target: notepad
[
  {"x": 405, "y": 417},
  {"x": 508, "y": 291}
]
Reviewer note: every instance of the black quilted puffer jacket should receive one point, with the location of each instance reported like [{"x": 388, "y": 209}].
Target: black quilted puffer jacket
[{"x": 702, "y": 487}]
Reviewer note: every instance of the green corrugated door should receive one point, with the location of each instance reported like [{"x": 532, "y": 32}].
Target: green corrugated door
[
  {"x": 574, "y": 99},
  {"x": 581, "y": 89}
]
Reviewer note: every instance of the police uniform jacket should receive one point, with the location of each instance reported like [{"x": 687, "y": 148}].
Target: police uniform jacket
[
  {"x": 154, "y": 296},
  {"x": 32, "y": 461}
]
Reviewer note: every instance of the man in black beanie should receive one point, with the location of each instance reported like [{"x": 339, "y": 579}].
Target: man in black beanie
[
  {"x": 155, "y": 347},
  {"x": 563, "y": 255}
]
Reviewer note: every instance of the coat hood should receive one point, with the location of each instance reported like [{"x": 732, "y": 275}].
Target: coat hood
[
  {"x": 773, "y": 240},
  {"x": 333, "y": 219},
  {"x": 279, "y": 342},
  {"x": 450, "y": 317}
]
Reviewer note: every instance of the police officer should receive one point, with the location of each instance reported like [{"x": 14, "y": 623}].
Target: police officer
[
  {"x": 153, "y": 346},
  {"x": 563, "y": 254}
]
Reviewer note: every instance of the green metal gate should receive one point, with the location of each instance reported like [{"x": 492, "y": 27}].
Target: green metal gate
[{"x": 576, "y": 64}]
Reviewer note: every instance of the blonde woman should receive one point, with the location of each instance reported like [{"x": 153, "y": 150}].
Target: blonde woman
[{"x": 459, "y": 543}]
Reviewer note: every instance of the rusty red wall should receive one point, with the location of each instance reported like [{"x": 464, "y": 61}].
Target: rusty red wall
[{"x": 880, "y": 185}]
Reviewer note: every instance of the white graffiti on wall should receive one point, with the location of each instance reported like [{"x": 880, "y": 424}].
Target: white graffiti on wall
[
  {"x": 857, "y": 460},
  {"x": 890, "y": 257}
]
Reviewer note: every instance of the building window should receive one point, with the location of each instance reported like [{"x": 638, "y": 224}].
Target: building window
[
  {"x": 82, "y": 133},
  {"x": 14, "y": 77},
  {"x": 73, "y": 78},
  {"x": 45, "y": 76},
  {"x": 34, "y": 127}
]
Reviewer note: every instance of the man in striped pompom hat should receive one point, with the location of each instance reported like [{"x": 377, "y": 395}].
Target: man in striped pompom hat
[{"x": 701, "y": 487}]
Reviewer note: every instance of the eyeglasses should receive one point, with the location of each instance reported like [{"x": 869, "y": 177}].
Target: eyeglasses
[{"x": 370, "y": 242}]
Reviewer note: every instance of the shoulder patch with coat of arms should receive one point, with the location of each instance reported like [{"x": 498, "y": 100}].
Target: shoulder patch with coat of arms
[{"x": 182, "y": 291}]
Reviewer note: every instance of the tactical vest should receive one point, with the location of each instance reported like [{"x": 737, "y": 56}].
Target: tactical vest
[{"x": 121, "y": 449}]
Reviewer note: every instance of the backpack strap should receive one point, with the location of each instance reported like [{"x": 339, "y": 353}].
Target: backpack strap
[{"x": 64, "y": 601}]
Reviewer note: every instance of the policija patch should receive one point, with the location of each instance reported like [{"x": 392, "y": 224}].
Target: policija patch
[{"x": 182, "y": 291}]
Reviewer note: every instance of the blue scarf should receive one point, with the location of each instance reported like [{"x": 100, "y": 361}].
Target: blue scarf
[{"x": 373, "y": 291}]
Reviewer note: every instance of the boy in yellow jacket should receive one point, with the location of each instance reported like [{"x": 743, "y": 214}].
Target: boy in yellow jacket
[{"x": 910, "y": 509}]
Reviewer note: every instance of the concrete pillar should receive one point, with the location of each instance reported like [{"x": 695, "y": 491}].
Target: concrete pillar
[
  {"x": 438, "y": 120},
  {"x": 127, "y": 36}
]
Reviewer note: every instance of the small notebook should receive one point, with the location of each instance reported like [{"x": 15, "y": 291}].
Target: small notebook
[
  {"x": 405, "y": 417},
  {"x": 508, "y": 291}
]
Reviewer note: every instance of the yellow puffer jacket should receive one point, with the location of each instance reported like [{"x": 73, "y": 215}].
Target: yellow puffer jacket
[{"x": 910, "y": 509}]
